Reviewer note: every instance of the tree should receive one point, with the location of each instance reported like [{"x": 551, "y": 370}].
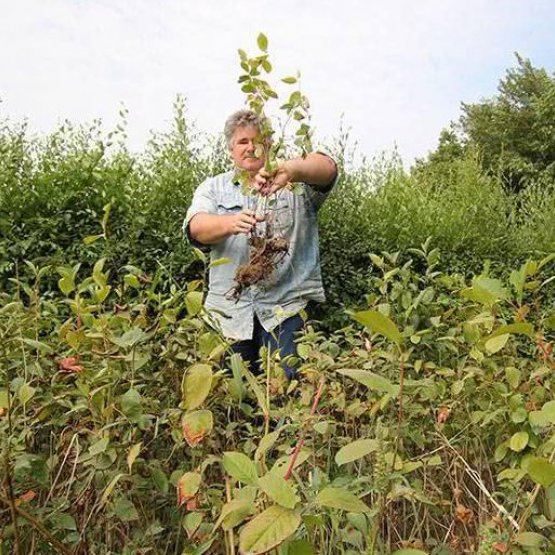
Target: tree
[{"x": 513, "y": 132}]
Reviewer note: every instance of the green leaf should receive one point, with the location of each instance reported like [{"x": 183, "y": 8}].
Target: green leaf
[
  {"x": 519, "y": 441},
  {"x": 262, "y": 42},
  {"x": 130, "y": 338},
  {"x": 538, "y": 418},
  {"x": 191, "y": 522},
  {"x": 521, "y": 328},
  {"x": 268, "y": 530},
  {"x": 196, "y": 385},
  {"x": 38, "y": 345},
  {"x": 266, "y": 443},
  {"x": 109, "y": 488},
  {"x": 549, "y": 321},
  {"x": 486, "y": 291},
  {"x": 238, "y": 365},
  {"x": 132, "y": 281},
  {"x": 340, "y": 498},
  {"x": 299, "y": 547},
  {"x": 290, "y": 80},
  {"x": 25, "y": 393},
  {"x": 278, "y": 490},
  {"x": 240, "y": 467},
  {"x": 496, "y": 343},
  {"x": 66, "y": 284},
  {"x": 63, "y": 521},
  {"x": 90, "y": 239},
  {"x": 199, "y": 255},
  {"x": 159, "y": 479},
  {"x": 530, "y": 539},
  {"x": 303, "y": 350},
  {"x": 356, "y": 450},
  {"x": 107, "y": 209},
  {"x": 379, "y": 323},
  {"x": 125, "y": 510},
  {"x": 517, "y": 279},
  {"x": 548, "y": 410},
  {"x": 187, "y": 487},
  {"x": 237, "y": 369},
  {"x": 131, "y": 404},
  {"x": 220, "y": 262},
  {"x": 282, "y": 464},
  {"x": 541, "y": 471},
  {"x": 100, "y": 446},
  {"x": 513, "y": 376},
  {"x": 234, "y": 512},
  {"x": 193, "y": 302},
  {"x": 372, "y": 381}
]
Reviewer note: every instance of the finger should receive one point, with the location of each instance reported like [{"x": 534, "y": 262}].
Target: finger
[
  {"x": 243, "y": 228},
  {"x": 265, "y": 191},
  {"x": 259, "y": 184},
  {"x": 247, "y": 219},
  {"x": 276, "y": 186}
]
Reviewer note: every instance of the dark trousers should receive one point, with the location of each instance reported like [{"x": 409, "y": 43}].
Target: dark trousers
[{"x": 282, "y": 338}]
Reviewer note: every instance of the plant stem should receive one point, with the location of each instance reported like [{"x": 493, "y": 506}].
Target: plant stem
[
  {"x": 231, "y": 536},
  {"x": 302, "y": 433},
  {"x": 400, "y": 417},
  {"x": 38, "y": 527},
  {"x": 8, "y": 478}
]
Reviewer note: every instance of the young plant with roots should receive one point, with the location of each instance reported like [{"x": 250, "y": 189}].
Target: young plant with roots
[{"x": 267, "y": 245}]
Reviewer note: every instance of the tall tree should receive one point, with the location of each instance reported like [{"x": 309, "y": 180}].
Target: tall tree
[{"x": 515, "y": 130}]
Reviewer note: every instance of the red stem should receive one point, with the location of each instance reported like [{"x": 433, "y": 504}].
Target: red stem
[{"x": 300, "y": 443}]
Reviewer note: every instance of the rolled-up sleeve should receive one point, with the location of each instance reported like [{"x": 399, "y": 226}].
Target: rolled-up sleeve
[
  {"x": 319, "y": 194},
  {"x": 204, "y": 201}
]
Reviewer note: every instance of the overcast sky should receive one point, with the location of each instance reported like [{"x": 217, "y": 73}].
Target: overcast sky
[{"x": 397, "y": 70}]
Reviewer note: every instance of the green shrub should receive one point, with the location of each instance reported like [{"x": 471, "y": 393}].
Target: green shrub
[{"x": 55, "y": 192}]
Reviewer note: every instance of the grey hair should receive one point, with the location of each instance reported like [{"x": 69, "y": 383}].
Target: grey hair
[{"x": 241, "y": 118}]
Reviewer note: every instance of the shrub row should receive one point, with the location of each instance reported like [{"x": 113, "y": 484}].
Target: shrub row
[{"x": 56, "y": 190}]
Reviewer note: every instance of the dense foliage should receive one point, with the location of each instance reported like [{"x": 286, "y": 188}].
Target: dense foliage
[
  {"x": 422, "y": 420},
  {"x": 127, "y": 430},
  {"x": 513, "y": 131},
  {"x": 60, "y": 194}
]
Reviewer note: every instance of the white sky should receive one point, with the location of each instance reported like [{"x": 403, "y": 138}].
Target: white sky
[{"x": 397, "y": 70}]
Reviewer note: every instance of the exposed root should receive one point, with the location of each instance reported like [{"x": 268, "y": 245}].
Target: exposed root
[{"x": 265, "y": 253}]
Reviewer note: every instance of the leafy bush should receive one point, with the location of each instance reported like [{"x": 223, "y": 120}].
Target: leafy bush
[
  {"x": 126, "y": 431},
  {"x": 55, "y": 193}
]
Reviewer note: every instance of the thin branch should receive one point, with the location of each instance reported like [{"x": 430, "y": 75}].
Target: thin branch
[
  {"x": 39, "y": 528},
  {"x": 478, "y": 481},
  {"x": 302, "y": 434}
]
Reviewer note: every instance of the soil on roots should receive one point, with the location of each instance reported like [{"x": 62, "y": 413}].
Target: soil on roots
[{"x": 265, "y": 253}]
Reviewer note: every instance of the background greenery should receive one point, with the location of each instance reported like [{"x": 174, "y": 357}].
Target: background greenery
[
  {"x": 486, "y": 193},
  {"x": 445, "y": 373}
]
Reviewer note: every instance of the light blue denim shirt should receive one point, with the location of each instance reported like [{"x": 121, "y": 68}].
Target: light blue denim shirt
[{"x": 297, "y": 278}]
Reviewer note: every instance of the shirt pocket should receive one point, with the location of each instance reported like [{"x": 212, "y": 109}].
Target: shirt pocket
[
  {"x": 283, "y": 215},
  {"x": 229, "y": 207}
]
